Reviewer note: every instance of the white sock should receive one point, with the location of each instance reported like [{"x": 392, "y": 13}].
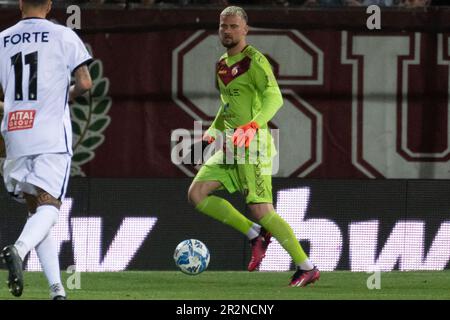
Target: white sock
[
  {"x": 36, "y": 228},
  {"x": 57, "y": 289},
  {"x": 254, "y": 231},
  {"x": 48, "y": 256},
  {"x": 306, "y": 265}
]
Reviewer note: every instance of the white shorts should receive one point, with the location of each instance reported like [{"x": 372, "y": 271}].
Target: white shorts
[{"x": 50, "y": 172}]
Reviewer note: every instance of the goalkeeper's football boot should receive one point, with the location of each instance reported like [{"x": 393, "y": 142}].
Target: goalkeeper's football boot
[
  {"x": 14, "y": 264},
  {"x": 259, "y": 248},
  {"x": 302, "y": 278}
]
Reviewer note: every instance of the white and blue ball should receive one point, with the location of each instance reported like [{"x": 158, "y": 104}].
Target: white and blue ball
[{"x": 191, "y": 256}]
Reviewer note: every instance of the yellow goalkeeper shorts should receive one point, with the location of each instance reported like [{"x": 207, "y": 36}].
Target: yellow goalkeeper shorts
[{"x": 253, "y": 180}]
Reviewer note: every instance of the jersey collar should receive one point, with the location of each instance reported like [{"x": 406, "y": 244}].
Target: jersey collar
[{"x": 28, "y": 18}]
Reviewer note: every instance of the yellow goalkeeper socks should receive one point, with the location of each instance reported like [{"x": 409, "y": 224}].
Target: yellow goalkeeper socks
[
  {"x": 220, "y": 209},
  {"x": 281, "y": 231}
]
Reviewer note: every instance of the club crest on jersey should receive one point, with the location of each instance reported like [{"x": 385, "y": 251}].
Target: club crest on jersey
[
  {"x": 228, "y": 74},
  {"x": 21, "y": 120}
]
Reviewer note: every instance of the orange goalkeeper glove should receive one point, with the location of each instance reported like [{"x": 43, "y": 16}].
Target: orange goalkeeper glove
[
  {"x": 208, "y": 138},
  {"x": 244, "y": 135}
]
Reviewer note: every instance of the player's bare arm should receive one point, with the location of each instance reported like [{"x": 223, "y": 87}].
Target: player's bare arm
[{"x": 83, "y": 82}]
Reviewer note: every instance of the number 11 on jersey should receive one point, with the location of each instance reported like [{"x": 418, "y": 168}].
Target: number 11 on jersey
[{"x": 32, "y": 60}]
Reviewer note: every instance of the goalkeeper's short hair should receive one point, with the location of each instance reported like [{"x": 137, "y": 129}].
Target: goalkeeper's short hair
[{"x": 235, "y": 11}]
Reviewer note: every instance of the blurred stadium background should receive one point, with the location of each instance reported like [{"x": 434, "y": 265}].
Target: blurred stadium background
[{"x": 364, "y": 167}]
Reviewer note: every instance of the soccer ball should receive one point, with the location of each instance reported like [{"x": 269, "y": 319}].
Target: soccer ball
[{"x": 191, "y": 256}]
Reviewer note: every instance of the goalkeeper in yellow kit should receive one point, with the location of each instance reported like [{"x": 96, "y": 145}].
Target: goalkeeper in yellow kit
[{"x": 250, "y": 97}]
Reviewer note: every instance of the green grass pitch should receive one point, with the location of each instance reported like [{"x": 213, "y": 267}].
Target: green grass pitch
[{"x": 237, "y": 285}]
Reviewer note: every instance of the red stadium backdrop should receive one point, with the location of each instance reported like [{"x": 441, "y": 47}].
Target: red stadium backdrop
[{"x": 357, "y": 103}]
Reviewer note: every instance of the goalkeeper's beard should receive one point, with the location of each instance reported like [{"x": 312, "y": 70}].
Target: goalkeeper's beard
[{"x": 230, "y": 45}]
